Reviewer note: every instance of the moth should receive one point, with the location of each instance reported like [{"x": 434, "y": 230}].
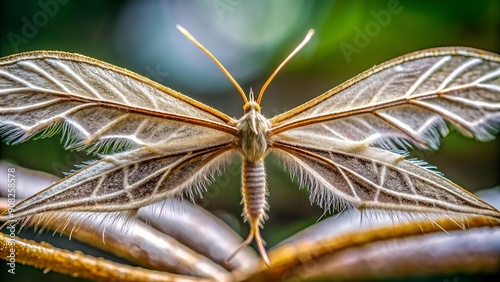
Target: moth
[{"x": 343, "y": 145}]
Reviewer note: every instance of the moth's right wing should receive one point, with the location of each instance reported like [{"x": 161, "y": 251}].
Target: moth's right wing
[
  {"x": 372, "y": 178},
  {"x": 408, "y": 102}
]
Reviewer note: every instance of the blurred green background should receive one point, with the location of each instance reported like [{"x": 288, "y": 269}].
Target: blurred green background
[{"x": 251, "y": 38}]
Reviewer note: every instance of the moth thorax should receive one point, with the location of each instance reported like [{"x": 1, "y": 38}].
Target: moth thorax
[{"x": 253, "y": 128}]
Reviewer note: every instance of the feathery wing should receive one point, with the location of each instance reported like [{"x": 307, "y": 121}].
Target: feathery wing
[
  {"x": 405, "y": 102},
  {"x": 98, "y": 104},
  {"x": 372, "y": 178},
  {"x": 129, "y": 180},
  {"x": 175, "y": 142}
]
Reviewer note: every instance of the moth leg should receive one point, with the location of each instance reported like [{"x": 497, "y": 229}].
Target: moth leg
[{"x": 254, "y": 233}]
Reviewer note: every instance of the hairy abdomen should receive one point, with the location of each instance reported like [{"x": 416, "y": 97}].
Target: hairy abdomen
[{"x": 254, "y": 191}]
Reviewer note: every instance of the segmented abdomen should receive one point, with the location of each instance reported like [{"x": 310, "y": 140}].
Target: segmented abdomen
[{"x": 254, "y": 191}]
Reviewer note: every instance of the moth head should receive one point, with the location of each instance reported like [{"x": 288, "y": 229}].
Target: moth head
[{"x": 251, "y": 105}]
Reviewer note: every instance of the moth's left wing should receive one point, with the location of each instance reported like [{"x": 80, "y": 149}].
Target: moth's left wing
[
  {"x": 97, "y": 106},
  {"x": 372, "y": 178},
  {"x": 175, "y": 142},
  {"x": 129, "y": 180},
  {"x": 406, "y": 102}
]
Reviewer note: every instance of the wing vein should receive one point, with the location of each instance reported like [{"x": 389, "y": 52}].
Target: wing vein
[
  {"x": 17, "y": 79},
  {"x": 45, "y": 122},
  {"x": 453, "y": 118},
  {"x": 426, "y": 75},
  {"x": 45, "y": 74},
  {"x": 105, "y": 128},
  {"x": 78, "y": 79},
  {"x": 457, "y": 71},
  {"x": 488, "y": 76},
  {"x": 31, "y": 107},
  {"x": 408, "y": 132}
]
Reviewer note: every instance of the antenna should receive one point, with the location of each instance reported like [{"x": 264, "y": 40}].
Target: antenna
[
  {"x": 221, "y": 67},
  {"x": 309, "y": 34}
]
